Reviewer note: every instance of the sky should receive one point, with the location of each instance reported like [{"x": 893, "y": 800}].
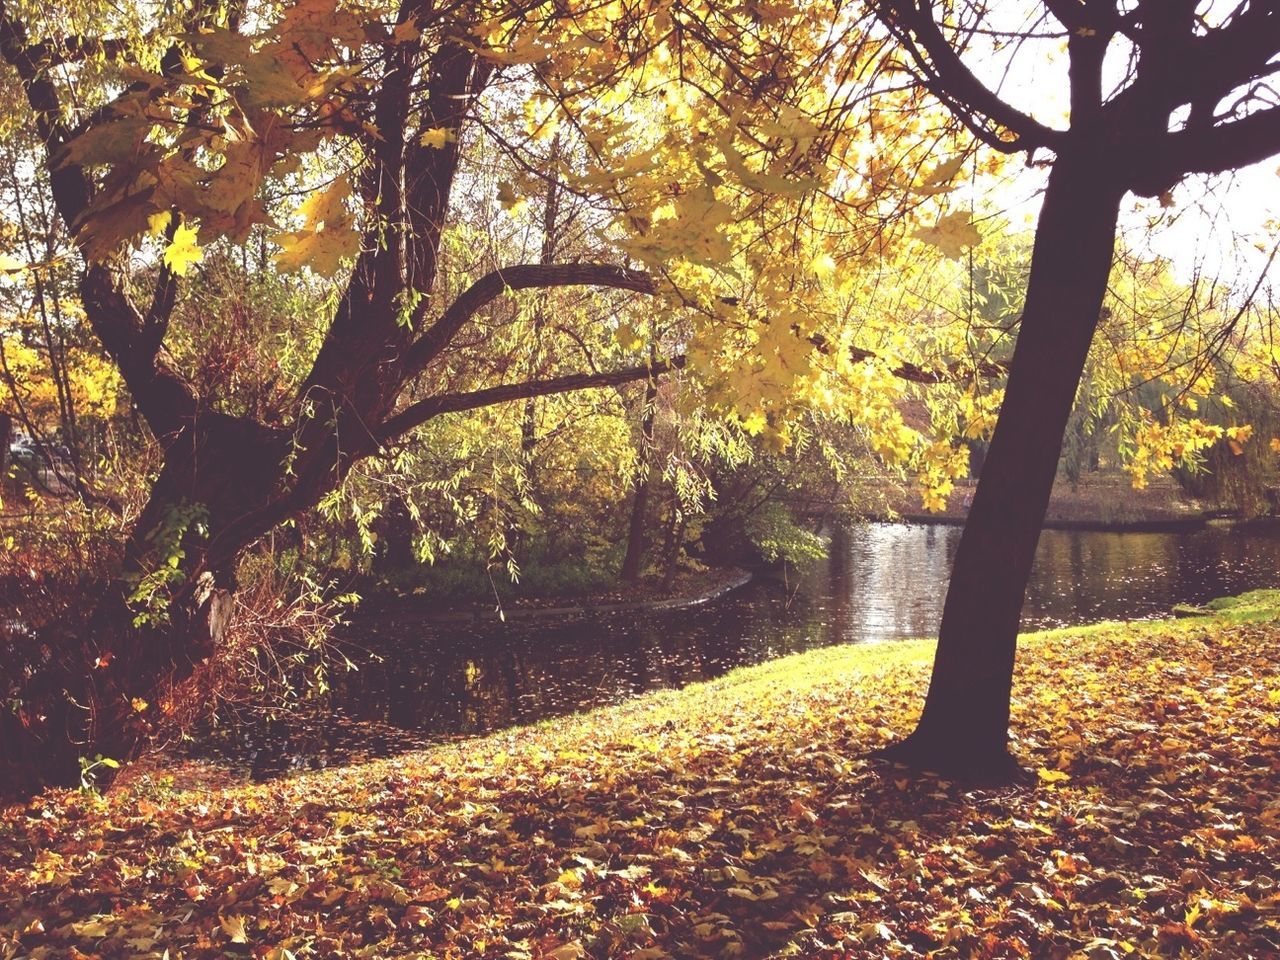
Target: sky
[{"x": 1216, "y": 224}]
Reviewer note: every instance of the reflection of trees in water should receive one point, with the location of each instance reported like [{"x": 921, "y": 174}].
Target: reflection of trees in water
[
  {"x": 899, "y": 580},
  {"x": 1082, "y": 576},
  {"x": 878, "y": 582}
]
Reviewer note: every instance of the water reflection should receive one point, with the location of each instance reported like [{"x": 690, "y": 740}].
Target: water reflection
[{"x": 880, "y": 582}]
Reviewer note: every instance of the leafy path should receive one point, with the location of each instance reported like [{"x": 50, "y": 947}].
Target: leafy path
[{"x": 729, "y": 819}]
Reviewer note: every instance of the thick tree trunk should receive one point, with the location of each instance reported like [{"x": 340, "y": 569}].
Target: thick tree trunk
[
  {"x": 964, "y": 727},
  {"x": 132, "y": 664}
]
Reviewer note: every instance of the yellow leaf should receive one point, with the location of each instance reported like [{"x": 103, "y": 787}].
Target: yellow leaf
[
  {"x": 824, "y": 265},
  {"x": 328, "y": 206},
  {"x": 323, "y": 250},
  {"x": 107, "y": 142},
  {"x": 938, "y": 179},
  {"x": 628, "y": 338},
  {"x": 139, "y": 705},
  {"x": 507, "y": 194},
  {"x": 526, "y": 49},
  {"x": 952, "y": 234},
  {"x": 233, "y": 927},
  {"x": 10, "y": 265},
  {"x": 158, "y": 223},
  {"x": 183, "y": 251},
  {"x": 91, "y": 928},
  {"x": 437, "y": 137},
  {"x": 1053, "y": 776}
]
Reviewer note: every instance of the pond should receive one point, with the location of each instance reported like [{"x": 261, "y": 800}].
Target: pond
[{"x": 879, "y": 582}]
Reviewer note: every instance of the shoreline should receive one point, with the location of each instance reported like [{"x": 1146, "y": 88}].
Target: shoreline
[
  {"x": 1166, "y": 525},
  {"x": 1102, "y": 503},
  {"x": 725, "y": 580}
]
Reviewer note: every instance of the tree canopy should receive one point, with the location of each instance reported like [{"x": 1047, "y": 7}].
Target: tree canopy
[{"x": 439, "y": 237}]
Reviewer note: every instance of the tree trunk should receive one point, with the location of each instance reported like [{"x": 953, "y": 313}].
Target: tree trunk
[
  {"x": 131, "y": 665},
  {"x": 6, "y": 438},
  {"x": 640, "y": 502},
  {"x": 964, "y": 727}
]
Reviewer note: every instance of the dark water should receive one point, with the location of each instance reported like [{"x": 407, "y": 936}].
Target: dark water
[{"x": 880, "y": 582}]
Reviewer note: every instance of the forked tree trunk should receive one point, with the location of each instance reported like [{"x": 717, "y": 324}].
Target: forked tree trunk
[{"x": 964, "y": 727}]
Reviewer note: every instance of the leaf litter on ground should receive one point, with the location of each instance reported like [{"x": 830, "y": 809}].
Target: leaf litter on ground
[{"x": 735, "y": 818}]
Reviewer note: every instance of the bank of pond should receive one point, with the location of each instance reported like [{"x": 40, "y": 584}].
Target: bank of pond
[{"x": 419, "y": 681}]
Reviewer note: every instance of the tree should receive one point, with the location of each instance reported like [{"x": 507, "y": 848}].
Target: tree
[
  {"x": 170, "y": 131},
  {"x": 255, "y": 103},
  {"x": 1193, "y": 99}
]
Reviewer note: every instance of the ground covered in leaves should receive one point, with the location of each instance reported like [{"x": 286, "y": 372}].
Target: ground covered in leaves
[{"x": 733, "y": 818}]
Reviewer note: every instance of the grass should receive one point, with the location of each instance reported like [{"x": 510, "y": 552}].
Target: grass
[{"x": 731, "y": 818}]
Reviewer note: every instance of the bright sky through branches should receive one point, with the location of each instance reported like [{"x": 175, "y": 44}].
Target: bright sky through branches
[{"x": 1221, "y": 227}]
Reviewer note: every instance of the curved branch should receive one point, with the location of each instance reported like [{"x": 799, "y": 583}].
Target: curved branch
[
  {"x": 951, "y": 81},
  {"x": 522, "y": 277},
  {"x": 72, "y": 190},
  {"x": 162, "y": 395},
  {"x": 419, "y": 413}
]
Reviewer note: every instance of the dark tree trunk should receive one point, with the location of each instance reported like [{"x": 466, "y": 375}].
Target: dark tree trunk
[
  {"x": 6, "y": 438},
  {"x": 394, "y": 554},
  {"x": 636, "y": 540},
  {"x": 130, "y": 665},
  {"x": 964, "y": 727}
]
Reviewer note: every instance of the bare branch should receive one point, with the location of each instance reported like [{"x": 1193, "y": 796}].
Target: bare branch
[
  {"x": 1229, "y": 146},
  {"x": 951, "y": 81}
]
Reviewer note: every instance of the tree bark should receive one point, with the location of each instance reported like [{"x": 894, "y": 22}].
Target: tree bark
[
  {"x": 640, "y": 501},
  {"x": 964, "y": 727},
  {"x": 6, "y": 438},
  {"x": 130, "y": 666}
]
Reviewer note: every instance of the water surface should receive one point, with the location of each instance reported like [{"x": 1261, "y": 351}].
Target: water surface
[{"x": 879, "y": 582}]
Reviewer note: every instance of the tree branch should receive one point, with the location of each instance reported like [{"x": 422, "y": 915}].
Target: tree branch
[
  {"x": 522, "y": 277},
  {"x": 360, "y": 365},
  {"x": 419, "y": 413},
  {"x": 1159, "y": 164},
  {"x": 950, "y": 80},
  {"x": 956, "y": 370},
  {"x": 164, "y": 398},
  {"x": 75, "y": 49},
  {"x": 72, "y": 189}
]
